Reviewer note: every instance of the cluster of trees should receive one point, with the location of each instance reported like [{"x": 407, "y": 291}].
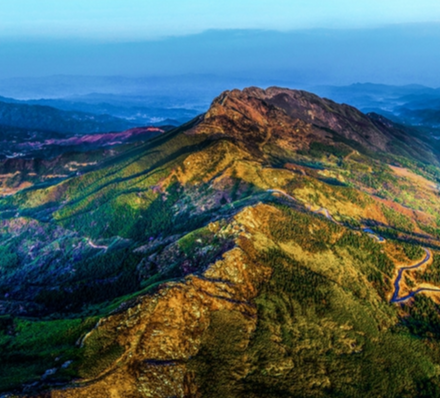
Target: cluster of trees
[
  {"x": 397, "y": 220},
  {"x": 424, "y": 319},
  {"x": 295, "y": 226},
  {"x": 318, "y": 149},
  {"x": 291, "y": 278},
  {"x": 96, "y": 280},
  {"x": 31, "y": 347},
  {"x": 432, "y": 273},
  {"x": 413, "y": 252},
  {"x": 9, "y": 260}
]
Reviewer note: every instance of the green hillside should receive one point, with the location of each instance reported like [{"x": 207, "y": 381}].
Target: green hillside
[{"x": 252, "y": 252}]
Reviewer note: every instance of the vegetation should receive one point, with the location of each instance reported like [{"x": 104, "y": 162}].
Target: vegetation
[
  {"x": 432, "y": 274},
  {"x": 258, "y": 231},
  {"x": 312, "y": 338},
  {"x": 31, "y": 348}
]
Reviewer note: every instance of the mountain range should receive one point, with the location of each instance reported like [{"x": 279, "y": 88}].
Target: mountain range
[
  {"x": 278, "y": 245},
  {"x": 39, "y": 117}
]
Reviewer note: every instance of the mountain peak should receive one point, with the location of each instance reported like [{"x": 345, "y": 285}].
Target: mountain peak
[{"x": 293, "y": 119}]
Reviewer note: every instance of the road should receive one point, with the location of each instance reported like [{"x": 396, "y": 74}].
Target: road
[
  {"x": 281, "y": 193},
  {"x": 396, "y": 298},
  {"x": 91, "y": 244},
  {"x": 374, "y": 235},
  {"x": 327, "y": 214},
  {"x": 380, "y": 239}
]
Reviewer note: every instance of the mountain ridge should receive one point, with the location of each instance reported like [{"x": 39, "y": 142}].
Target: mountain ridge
[
  {"x": 236, "y": 255},
  {"x": 318, "y": 118}
]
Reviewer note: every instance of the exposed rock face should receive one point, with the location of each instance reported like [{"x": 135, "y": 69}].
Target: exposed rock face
[
  {"x": 293, "y": 119},
  {"x": 162, "y": 332},
  {"x": 343, "y": 119},
  {"x": 255, "y": 123}
]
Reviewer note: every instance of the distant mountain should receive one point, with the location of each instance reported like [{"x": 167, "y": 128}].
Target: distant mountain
[
  {"x": 192, "y": 90},
  {"x": 47, "y": 118},
  {"x": 132, "y": 109},
  {"x": 257, "y": 250},
  {"x": 258, "y": 56},
  {"x": 368, "y": 95}
]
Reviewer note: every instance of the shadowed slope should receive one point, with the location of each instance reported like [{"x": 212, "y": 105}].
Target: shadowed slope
[{"x": 234, "y": 256}]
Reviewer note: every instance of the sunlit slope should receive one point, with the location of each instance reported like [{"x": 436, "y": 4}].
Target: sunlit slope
[
  {"x": 297, "y": 307},
  {"x": 252, "y": 252}
]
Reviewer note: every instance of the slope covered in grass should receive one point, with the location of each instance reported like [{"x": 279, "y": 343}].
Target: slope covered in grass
[{"x": 234, "y": 256}]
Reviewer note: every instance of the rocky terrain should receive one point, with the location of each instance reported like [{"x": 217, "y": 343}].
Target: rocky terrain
[{"x": 252, "y": 252}]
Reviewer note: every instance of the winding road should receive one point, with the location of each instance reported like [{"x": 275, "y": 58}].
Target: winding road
[
  {"x": 327, "y": 214},
  {"x": 380, "y": 239},
  {"x": 91, "y": 244},
  {"x": 281, "y": 193},
  {"x": 374, "y": 235},
  {"x": 396, "y": 298}
]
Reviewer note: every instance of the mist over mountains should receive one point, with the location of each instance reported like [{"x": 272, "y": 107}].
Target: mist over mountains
[
  {"x": 173, "y": 79},
  {"x": 398, "y": 54}
]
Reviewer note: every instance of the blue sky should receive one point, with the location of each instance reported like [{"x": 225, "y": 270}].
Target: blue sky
[{"x": 146, "y": 19}]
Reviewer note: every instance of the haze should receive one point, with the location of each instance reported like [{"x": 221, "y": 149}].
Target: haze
[
  {"x": 139, "y": 19},
  {"x": 283, "y": 41}
]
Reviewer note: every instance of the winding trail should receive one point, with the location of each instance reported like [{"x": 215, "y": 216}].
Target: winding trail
[
  {"x": 327, "y": 214},
  {"x": 91, "y": 244},
  {"x": 321, "y": 210},
  {"x": 396, "y": 298},
  {"x": 380, "y": 239},
  {"x": 281, "y": 193},
  {"x": 374, "y": 235}
]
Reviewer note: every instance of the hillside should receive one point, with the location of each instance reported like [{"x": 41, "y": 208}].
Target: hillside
[
  {"x": 253, "y": 252},
  {"x": 28, "y": 158}
]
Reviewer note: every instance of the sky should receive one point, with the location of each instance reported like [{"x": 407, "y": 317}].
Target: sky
[
  {"x": 148, "y": 19},
  {"x": 304, "y": 42}
]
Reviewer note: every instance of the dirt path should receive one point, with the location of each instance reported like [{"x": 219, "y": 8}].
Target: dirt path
[{"x": 92, "y": 245}]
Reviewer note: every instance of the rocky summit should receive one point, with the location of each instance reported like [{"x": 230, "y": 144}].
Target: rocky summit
[{"x": 279, "y": 245}]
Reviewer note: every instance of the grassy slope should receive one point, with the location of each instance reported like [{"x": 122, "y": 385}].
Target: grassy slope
[{"x": 323, "y": 327}]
